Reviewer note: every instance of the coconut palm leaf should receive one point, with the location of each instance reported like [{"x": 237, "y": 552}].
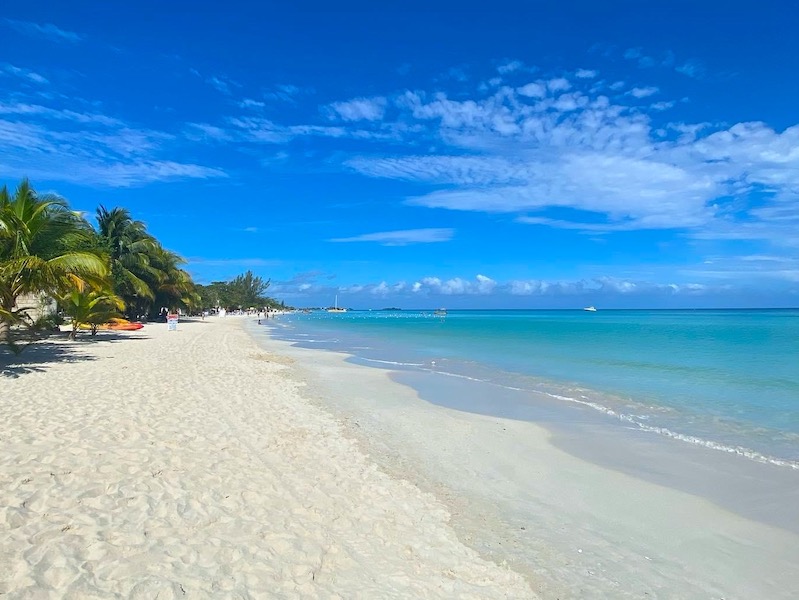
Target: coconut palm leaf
[
  {"x": 40, "y": 250},
  {"x": 91, "y": 307}
]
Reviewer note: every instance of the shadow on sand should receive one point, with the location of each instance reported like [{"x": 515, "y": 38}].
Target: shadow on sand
[{"x": 41, "y": 354}]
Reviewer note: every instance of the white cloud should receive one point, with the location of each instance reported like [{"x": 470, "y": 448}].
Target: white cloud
[
  {"x": 661, "y": 105},
  {"x": 668, "y": 60},
  {"x": 637, "y": 55},
  {"x": 200, "y": 131},
  {"x": 20, "y": 108},
  {"x": 604, "y": 286},
  {"x": 257, "y": 129},
  {"x": 403, "y": 237},
  {"x": 652, "y": 194},
  {"x": 283, "y": 92},
  {"x": 559, "y": 84},
  {"x": 580, "y": 226},
  {"x": 485, "y": 285},
  {"x": 535, "y": 89},
  {"x": 510, "y": 66},
  {"x": 360, "y": 109},
  {"x": 604, "y": 291},
  {"x": 643, "y": 92},
  {"x": 465, "y": 170},
  {"x": 691, "y": 68},
  {"x": 457, "y": 74},
  {"x": 60, "y": 144},
  {"x": 455, "y": 286},
  {"x": 632, "y": 53},
  {"x": 598, "y": 286},
  {"x": 528, "y": 150},
  {"x": 47, "y": 30},
  {"x": 585, "y": 73},
  {"x": 119, "y": 174},
  {"x": 382, "y": 289},
  {"x": 758, "y": 268},
  {"x": 250, "y": 103},
  {"x": 22, "y": 73},
  {"x": 220, "y": 84}
]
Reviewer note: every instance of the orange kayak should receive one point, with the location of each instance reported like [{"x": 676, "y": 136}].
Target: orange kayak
[
  {"x": 116, "y": 325},
  {"x": 122, "y": 326}
]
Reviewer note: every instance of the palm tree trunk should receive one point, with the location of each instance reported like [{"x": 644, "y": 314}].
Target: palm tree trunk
[
  {"x": 6, "y": 318},
  {"x": 5, "y": 331}
]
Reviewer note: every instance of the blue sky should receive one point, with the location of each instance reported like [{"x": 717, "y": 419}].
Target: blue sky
[{"x": 537, "y": 154}]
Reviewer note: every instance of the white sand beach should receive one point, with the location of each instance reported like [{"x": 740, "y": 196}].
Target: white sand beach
[
  {"x": 158, "y": 464},
  {"x": 206, "y": 463}
]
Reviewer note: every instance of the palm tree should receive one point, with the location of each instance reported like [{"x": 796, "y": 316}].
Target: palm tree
[
  {"x": 174, "y": 287},
  {"x": 40, "y": 251},
  {"x": 129, "y": 247},
  {"x": 144, "y": 273},
  {"x": 91, "y": 307}
]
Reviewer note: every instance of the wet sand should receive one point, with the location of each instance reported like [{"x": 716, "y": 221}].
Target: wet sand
[{"x": 579, "y": 520}]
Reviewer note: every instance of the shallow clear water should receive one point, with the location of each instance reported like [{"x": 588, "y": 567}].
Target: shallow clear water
[{"x": 727, "y": 379}]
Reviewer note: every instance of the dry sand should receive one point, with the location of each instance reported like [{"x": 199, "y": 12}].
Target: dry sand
[{"x": 159, "y": 464}]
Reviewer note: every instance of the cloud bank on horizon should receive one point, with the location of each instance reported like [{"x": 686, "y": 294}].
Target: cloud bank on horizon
[{"x": 513, "y": 182}]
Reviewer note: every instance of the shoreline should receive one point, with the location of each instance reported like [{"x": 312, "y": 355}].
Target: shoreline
[
  {"x": 702, "y": 410},
  {"x": 168, "y": 464},
  {"x": 603, "y": 530},
  {"x": 764, "y": 488},
  {"x": 753, "y": 489}
]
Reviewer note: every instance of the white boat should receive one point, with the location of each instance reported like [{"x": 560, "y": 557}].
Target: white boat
[
  {"x": 590, "y": 309},
  {"x": 335, "y": 308}
]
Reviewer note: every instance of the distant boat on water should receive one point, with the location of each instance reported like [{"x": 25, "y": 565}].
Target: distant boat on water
[
  {"x": 335, "y": 308},
  {"x": 440, "y": 312},
  {"x": 590, "y": 309}
]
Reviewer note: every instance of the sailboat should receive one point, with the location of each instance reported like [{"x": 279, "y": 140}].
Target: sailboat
[{"x": 335, "y": 308}]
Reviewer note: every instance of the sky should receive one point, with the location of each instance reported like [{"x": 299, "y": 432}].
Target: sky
[{"x": 500, "y": 154}]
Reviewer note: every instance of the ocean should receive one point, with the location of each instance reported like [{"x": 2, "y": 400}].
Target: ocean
[{"x": 724, "y": 379}]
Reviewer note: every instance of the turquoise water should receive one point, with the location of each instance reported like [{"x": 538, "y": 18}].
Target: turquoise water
[{"x": 726, "y": 379}]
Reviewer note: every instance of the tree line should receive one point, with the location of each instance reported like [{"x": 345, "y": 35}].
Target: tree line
[
  {"x": 95, "y": 274},
  {"x": 242, "y": 292}
]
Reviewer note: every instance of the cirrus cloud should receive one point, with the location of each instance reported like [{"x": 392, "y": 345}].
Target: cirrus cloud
[
  {"x": 46, "y": 30},
  {"x": 403, "y": 237}
]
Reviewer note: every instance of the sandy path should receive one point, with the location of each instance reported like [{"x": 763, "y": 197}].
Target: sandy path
[{"x": 185, "y": 464}]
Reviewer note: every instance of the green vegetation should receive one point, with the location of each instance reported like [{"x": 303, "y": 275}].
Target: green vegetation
[
  {"x": 144, "y": 274},
  {"x": 244, "y": 291},
  {"x": 42, "y": 251},
  {"x": 50, "y": 251},
  {"x": 91, "y": 307}
]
